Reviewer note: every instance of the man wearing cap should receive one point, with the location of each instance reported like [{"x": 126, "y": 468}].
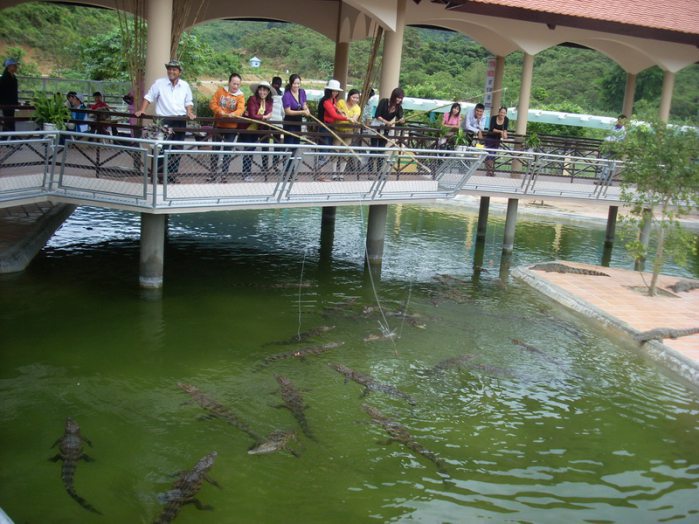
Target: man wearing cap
[
  {"x": 9, "y": 94},
  {"x": 173, "y": 98}
]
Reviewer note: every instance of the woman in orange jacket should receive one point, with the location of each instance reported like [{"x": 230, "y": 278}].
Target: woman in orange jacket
[{"x": 227, "y": 102}]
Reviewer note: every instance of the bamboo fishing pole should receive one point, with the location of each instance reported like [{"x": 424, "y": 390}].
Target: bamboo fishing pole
[
  {"x": 278, "y": 128},
  {"x": 354, "y": 153},
  {"x": 393, "y": 143}
]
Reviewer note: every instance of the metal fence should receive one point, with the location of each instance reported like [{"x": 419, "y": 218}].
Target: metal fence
[{"x": 150, "y": 174}]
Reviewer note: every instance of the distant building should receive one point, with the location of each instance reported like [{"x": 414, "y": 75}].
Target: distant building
[{"x": 255, "y": 62}]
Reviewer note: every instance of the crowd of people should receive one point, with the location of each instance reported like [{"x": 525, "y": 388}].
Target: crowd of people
[{"x": 271, "y": 113}]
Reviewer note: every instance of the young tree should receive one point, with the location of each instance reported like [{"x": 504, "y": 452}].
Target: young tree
[{"x": 660, "y": 173}]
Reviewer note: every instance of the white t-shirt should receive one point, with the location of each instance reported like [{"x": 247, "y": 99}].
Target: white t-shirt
[{"x": 170, "y": 100}]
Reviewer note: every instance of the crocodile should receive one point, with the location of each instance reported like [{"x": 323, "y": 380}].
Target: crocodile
[
  {"x": 293, "y": 401},
  {"x": 185, "y": 489},
  {"x": 555, "y": 267},
  {"x": 302, "y": 353},
  {"x": 217, "y": 410},
  {"x": 397, "y": 432},
  {"x": 70, "y": 451},
  {"x": 528, "y": 347},
  {"x": 302, "y": 337},
  {"x": 452, "y": 363},
  {"x": 684, "y": 286},
  {"x": 661, "y": 333},
  {"x": 276, "y": 441},
  {"x": 370, "y": 384}
]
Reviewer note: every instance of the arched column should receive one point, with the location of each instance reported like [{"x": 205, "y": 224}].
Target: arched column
[
  {"x": 629, "y": 95},
  {"x": 666, "y": 96},
  {"x": 497, "y": 84},
  {"x": 341, "y": 63},
  {"x": 159, "y": 14},
  {"x": 392, "y": 51},
  {"x": 525, "y": 91}
]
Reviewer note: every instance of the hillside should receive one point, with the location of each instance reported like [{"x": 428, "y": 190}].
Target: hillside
[{"x": 80, "y": 42}]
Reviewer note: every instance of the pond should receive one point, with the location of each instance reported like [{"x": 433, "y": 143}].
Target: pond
[{"x": 485, "y": 400}]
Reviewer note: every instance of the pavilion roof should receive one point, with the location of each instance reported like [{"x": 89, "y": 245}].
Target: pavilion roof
[{"x": 671, "y": 20}]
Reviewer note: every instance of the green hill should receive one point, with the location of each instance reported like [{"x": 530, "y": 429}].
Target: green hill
[{"x": 81, "y": 42}]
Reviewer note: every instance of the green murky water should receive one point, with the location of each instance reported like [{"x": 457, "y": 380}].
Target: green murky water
[{"x": 585, "y": 429}]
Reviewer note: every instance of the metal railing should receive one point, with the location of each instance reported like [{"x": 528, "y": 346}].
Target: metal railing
[{"x": 159, "y": 174}]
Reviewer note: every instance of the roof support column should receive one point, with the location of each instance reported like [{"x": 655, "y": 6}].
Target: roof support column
[
  {"x": 666, "y": 96},
  {"x": 341, "y": 63},
  {"x": 629, "y": 95},
  {"x": 159, "y": 14},
  {"x": 525, "y": 91},
  {"x": 392, "y": 51},
  {"x": 497, "y": 84}
]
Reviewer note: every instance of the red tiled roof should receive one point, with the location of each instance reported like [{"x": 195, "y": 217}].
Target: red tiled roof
[{"x": 670, "y": 16}]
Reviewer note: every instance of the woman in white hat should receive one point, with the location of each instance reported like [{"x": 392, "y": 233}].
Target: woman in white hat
[
  {"x": 329, "y": 114},
  {"x": 327, "y": 108}
]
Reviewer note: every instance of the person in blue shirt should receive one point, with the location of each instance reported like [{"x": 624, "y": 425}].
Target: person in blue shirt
[{"x": 75, "y": 103}]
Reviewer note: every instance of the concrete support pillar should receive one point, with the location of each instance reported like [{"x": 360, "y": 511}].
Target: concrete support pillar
[
  {"x": 629, "y": 95},
  {"x": 611, "y": 224},
  {"x": 159, "y": 14},
  {"x": 666, "y": 96},
  {"x": 482, "y": 218},
  {"x": 341, "y": 63},
  {"x": 392, "y": 52},
  {"x": 525, "y": 91},
  {"x": 510, "y": 223},
  {"x": 152, "y": 250},
  {"x": 497, "y": 84},
  {"x": 327, "y": 239},
  {"x": 376, "y": 233}
]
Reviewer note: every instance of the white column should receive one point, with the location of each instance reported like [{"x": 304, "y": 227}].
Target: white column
[
  {"x": 341, "y": 63},
  {"x": 497, "y": 84},
  {"x": 525, "y": 94},
  {"x": 392, "y": 52},
  {"x": 159, "y": 14},
  {"x": 666, "y": 96}
]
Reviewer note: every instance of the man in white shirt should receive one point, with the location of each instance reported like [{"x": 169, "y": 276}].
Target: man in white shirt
[
  {"x": 173, "y": 98},
  {"x": 474, "y": 123}
]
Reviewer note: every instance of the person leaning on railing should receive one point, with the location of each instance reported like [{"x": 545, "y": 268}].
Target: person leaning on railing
[
  {"x": 497, "y": 131},
  {"x": 172, "y": 97},
  {"x": 352, "y": 110},
  {"x": 259, "y": 107},
  {"x": 388, "y": 113},
  {"x": 228, "y": 102}
]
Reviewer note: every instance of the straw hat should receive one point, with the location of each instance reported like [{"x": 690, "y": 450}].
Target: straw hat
[
  {"x": 255, "y": 87},
  {"x": 334, "y": 85}
]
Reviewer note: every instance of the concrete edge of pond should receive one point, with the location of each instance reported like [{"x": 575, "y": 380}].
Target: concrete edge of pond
[{"x": 673, "y": 359}]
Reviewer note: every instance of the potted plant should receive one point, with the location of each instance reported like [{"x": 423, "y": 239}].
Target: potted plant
[
  {"x": 461, "y": 140},
  {"x": 50, "y": 112}
]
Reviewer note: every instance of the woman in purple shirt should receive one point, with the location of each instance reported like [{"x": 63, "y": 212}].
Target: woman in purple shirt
[{"x": 295, "y": 108}]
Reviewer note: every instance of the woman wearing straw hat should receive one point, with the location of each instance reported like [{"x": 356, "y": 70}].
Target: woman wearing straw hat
[{"x": 259, "y": 107}]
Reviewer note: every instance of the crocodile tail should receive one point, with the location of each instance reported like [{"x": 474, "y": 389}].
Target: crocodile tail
[{"x": 84, "y": 503}]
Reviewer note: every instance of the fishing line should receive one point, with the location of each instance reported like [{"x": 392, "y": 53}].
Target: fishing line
[
  {"x": 385, "y": 328},
  {"x": 303, "y": 264}
]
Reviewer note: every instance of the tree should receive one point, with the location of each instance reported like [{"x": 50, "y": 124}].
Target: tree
[{"x": 660, "y": 174}]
